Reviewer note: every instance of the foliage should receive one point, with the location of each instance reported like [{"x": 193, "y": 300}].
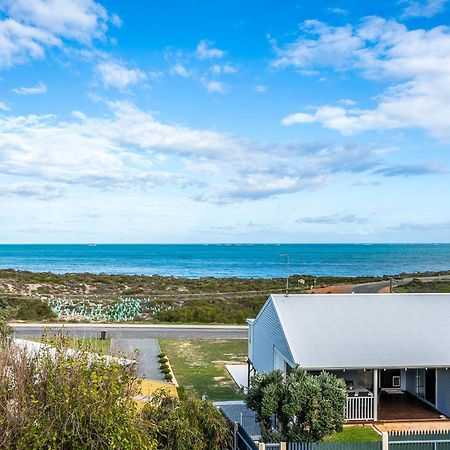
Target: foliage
[
  {"x": 307, "y": 407},
  {"x": 420, "y": 286},
  {"x": 186, "y": 423},
  {"x": 26, "y": 308},
  {"x": 56, "y": 400}
]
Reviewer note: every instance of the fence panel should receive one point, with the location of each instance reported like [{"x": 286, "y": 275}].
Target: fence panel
[
  {"x": 334, "y": 446},
  {"x": 419, "y": 440}
]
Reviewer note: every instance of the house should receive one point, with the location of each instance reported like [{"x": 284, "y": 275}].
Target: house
[{"x": 391, "y": 350}]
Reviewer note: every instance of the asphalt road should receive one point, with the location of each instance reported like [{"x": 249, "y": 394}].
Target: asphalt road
[{"x": 135, "y": 331}]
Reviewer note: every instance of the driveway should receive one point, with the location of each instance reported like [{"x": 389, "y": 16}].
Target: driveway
[{"x": 147, "y": 355}]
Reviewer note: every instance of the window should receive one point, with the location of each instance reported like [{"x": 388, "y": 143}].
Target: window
[{"x": 396, "y": 381}]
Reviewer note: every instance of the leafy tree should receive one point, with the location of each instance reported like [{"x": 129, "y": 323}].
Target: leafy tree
[
  {"x": 186, "y": 423},
  {"x": 306, "y": 407}
]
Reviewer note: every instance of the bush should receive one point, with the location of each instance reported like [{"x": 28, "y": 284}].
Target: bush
[
  {"x": 187, "y": 423},
  {"x": 168, "y": 376},
  {"x": 161, "y": 355},
  {"x": 164, "y": 366},
  {"x": 167, "y": 370},
  {"x": 164, "y": 359},
  {"x": 64, "y": 401},
  {"x": 307, "y": 407}
]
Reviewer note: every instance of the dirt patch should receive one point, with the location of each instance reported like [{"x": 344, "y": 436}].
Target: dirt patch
[{"x": 338, "y": 289}]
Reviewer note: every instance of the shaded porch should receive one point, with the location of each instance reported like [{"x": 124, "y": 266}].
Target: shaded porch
[{"x": 404, "y": 406}]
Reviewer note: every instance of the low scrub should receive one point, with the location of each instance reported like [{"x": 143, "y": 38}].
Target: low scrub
[
  {"x": 187, "y": 423},
  {"x": 53, "y": 400}
]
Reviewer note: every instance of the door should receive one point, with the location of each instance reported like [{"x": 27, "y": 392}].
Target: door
[{"x": 430, "y": 386}]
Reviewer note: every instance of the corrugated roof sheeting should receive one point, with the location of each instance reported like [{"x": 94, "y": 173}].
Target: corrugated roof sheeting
[{"x": 366, "y": 330}]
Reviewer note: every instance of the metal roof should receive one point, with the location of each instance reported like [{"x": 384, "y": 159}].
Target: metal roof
[{"x": 335, "y": 331}]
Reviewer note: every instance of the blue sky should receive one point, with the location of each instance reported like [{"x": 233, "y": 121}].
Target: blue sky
[{"x": 224, "y": 121}]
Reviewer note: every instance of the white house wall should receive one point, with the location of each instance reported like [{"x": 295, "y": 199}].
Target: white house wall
[{"x": 267, "y": 336}]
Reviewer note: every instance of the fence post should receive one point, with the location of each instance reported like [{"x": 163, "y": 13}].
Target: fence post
[
  {"x": 385, "y": 440},
  {"x": 283, "y": 446},
  {"x": 261, "y": 446}
]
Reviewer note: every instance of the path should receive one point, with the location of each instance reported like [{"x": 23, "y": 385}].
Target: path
[{"x": 147, "y": 355}]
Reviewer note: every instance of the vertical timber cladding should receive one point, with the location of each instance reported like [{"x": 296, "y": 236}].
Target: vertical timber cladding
[
  {"x": 268, "y": 335},
  {"x": 443, "y": 391}
]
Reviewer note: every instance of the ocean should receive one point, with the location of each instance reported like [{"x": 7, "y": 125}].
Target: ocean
[{"x": 229, "y": 260}]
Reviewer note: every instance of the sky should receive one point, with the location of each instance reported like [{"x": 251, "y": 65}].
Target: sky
[{"x": 197, "y": 121}]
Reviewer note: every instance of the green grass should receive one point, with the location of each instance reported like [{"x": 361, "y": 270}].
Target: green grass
[
  {"x": 356, "y": 433},
  {"x": 200, "y": 365}
]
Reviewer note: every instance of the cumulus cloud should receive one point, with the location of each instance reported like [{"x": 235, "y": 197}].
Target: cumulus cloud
[
  {"x": 4, "y": 106},
  {"x": 417, "y": 60},
  {"x": 423, "y": 8},
  {"x": 130, "y": 149},
  {"x": 206, "y": 50},
  {"x": 40, "y": 88},
  {"x": 115, "y": 74},
  {"x": 32, "y": 26},
  {"x": 40, "y": 190}
]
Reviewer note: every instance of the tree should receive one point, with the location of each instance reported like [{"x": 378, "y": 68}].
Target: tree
[
  {"x": 186, "y": 423},
  {"x": 306, "y": 407}
]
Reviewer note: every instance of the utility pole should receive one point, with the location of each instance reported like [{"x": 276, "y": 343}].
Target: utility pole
[{"x": 288, "y": 262}]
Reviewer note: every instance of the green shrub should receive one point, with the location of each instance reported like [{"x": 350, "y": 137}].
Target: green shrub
[
  {"x": 161, "y": 355},
  {"x": 164, "y": 359},
  {"x": 61, "y": 401},
  {"x": 168, "y": 376},
  {"x": 187, "y": 423},
  {"x": 164, "y": 366},
  {"x": 167, "y": 370}
]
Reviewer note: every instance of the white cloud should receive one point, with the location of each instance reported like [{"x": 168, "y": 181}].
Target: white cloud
[
  {"x": 418, "y": 60},
  {"x": 130, "y": 149},
  {"x": 32, "y": 26},
  {"x": 40, "y": 88},
  {"x": 81, "y": 20},
  {"x": 423, "y": 8},
  {"x": 117, "y": 75},
  {"x": 205, "y": 50},
  {"x": 298, "y": 118},
  {"x": 215, "y": 86},
  {"x": 19, "y": 42},
  {"x": 218, "y": 69},
  {"x": 179, "y": 69},
  {"x": 338, "y": 11},
  {"x": 4, "y": 106}
]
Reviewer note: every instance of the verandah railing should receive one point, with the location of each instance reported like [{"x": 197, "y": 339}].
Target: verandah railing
[{"x": 359, "y": 408}]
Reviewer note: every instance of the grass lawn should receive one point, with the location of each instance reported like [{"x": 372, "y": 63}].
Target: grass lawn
[
  {"x": 200, "y": 365},
  {"x": 357, "y": 433}
]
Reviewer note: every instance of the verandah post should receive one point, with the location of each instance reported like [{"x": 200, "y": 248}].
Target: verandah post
[{"x": 375, "y": 395}]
